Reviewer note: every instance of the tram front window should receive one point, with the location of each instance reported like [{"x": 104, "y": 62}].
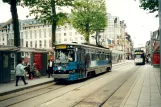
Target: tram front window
[
  {"x": 64, "y": 56},
  {"x": 137, "y": 56}
]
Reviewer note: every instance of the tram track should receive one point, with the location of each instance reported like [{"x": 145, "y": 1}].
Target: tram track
[
  {"x": 51, "y": 89},
  {"x": 105, "y": 92},
  {"x": 52, "y": 100},
  {"x": 26, "y": 91}
]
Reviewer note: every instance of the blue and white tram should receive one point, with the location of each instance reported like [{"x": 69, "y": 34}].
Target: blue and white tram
[{"x": 76, "y": 61}]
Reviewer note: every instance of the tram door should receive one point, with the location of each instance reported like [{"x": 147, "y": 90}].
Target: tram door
[{"x": 81, "y": 63}]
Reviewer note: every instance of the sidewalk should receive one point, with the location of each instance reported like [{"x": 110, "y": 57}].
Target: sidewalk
[
  {"x": 10, "y": 87},
  {"x": 145, "y": 92}
]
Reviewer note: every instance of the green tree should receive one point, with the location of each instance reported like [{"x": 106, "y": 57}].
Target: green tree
[
  {"x": 150, "y": 5},
  {"x": 89, "y": 16},
  {"x": 45, "y": 11},
  {"x": 15, "y": 21}
]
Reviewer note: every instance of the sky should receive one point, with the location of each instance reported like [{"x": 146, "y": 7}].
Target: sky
[{"x": 139, "y": 22}]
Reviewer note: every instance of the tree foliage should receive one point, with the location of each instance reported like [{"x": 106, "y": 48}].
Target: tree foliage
[
  {"x": 89, "y": 16},
  {"x": 46, "y": 11},
  {"x": 150, "y": 5},
  {"x": 42, "y": 10}
]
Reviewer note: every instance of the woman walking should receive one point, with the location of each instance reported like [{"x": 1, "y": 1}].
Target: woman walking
[{"x": 20, "y": 72}]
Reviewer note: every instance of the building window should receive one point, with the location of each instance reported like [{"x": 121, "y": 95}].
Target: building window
[
  {"x": 65, "y": 34},
  {"x": 31, "y": 44},
  {"x": 26, "y": 35},
  {"x": 21, "y": 35},
  {"x": 21, "y": 40},
  {"x": 30, "y": 34},
  {"x": 65, "y": 27},
  {"x": 44, "y": 33},
  {"x": 35, "y": 34},
  {"x": 40, "y": 33},
  {"x": 71, "y": 39},
  {"x": 2, "y": 36},
  {"x": 45, "y": 43},
  {"x": 26, "y": 43},
  {"x": 70, "y": 33},
  {"x": 40, "y": 43},
  {"x": 50, "y": 32},
  {"x": 35, "y": 44},
  {"x": 65, "y": 39},
  {"x": 50, "y": 44}
]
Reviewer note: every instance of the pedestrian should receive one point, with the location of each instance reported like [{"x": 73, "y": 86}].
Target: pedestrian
[
  {"x": 147, "y": 60},
  {"x": 35, "y": 70},
  {"x": 50, "y": 68},
  {"x": 20, "y": 72},
  {"x": 30, "y": 72}
]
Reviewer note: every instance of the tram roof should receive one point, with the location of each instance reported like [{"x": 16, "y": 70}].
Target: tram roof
[{"x": 85, "y": 45}]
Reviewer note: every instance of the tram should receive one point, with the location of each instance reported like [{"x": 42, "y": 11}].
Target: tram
[
  {"x": 139, "y": 57},
  {"x": 78, "y": 61}
]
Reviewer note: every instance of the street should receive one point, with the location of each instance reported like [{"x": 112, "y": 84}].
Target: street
[{"x": 95, "y": 91}]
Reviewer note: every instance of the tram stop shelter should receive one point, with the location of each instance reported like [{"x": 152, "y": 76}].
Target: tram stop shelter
[
  {"x": 6, "y": 62},
  {"x": 29, "y": 55}
]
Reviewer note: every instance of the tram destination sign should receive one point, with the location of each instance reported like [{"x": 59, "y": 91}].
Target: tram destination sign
[
  {"x": 64, "y": 47},
  {"x": 61, "y": 47},
  {"x": 138, "y": 52}
]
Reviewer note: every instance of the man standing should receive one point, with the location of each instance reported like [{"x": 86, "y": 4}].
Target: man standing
[
  {"x": 50, "y": 68},
  {"x": 20, "y": 72}
]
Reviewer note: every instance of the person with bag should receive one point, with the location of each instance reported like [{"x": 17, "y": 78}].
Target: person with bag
[
  {"x": 35, "y": 70},
  {"x": 30, "y": 72},
  {"x": 20, "y": 72}
]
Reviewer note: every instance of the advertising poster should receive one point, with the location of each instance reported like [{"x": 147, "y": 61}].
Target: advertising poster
[
  {"x": 156, "y": 58},
  {"x": 38, "y": 60}
]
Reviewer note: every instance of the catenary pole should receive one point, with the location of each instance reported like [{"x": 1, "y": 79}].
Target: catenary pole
[{"x": 160, "y": 38}]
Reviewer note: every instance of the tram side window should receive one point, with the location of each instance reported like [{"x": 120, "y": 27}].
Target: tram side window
[
  {"x": 107, "y": 57},
  {"x": 79, "y": 55},
  {"x": 97, "y": 56},
  {"x": 93, "y": 56}
]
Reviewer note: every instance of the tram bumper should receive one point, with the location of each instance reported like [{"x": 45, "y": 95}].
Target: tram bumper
[{"x": 61, "y": 76}]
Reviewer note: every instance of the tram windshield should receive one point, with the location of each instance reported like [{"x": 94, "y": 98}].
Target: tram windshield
[
  {"x": 64, "y": 56},
  {"x": 137, "y": 56}
]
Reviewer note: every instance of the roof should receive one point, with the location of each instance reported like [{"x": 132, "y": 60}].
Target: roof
[
  {"x": 5, "y": 24},
  {"x": 8, "y": 48},
  {"x": 84, "y": 45}
]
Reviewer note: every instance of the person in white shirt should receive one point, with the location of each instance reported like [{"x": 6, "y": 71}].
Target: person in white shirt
[
  {"x": 20, "y": 72},
  {"x": 50, "y": 68}
]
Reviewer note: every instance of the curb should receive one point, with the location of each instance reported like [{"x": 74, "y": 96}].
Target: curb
[{"x": 24, "y": 88}]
